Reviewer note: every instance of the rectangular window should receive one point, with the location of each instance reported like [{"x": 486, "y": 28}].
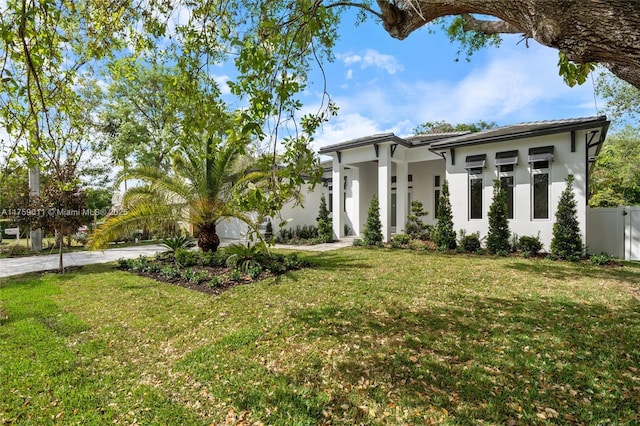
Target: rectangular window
[
  {"x": 506, "y": 163},
  {"x": 507, "y": 184},
  {"x": 540, "y": 186},
  {"x": 436, "y": 195},
  {"x": 475, "y": 193},
  {"x": 540, "y": 160},
  {"x": 475, "y": 166}
]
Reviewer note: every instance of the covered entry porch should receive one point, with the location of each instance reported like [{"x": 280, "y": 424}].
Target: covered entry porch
[{"x": 390, "y": 167}]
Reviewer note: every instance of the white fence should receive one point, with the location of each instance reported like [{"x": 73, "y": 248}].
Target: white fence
[{"x": 615, "y": 231}]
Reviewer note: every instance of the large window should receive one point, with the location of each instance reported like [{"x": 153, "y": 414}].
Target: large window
[
  {"x": 540, "y": 186},
  {"x": 436, "y": 194},
  {"x": 540, "y": 160},
  {"x": 475, "y": 193},
  {"x": 506, "y": 162},
  {"x": 475, "y": 167},
  {"x": 507, "y": 180}
]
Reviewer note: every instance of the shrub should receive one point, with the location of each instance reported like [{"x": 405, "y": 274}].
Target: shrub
[
  {"x": 498, "y": 235},
  {"x": 199, "y": 277},
  {"x": 139, "y": 264},
  {"x": 415, "y": 227},
  {"x": 235, "y": 275},
  {"x": 372, "y": 234},
  {"x": 418, "y": 245},
  {"x": 254, "y": 272},
  {"x": 268, "y": 231},
  {"x": 567, "y": 241},
  {"x": 177, "y": 242},
  {"x": 469, "y": 243},
  {"x": 601, "y": 259},
  {"x": 188, "y": 275},
  {"x": 213, "y": 259},
  {"x": 293, "y": 261},
  {"x": 443, "y": 233},
  {"x": 17, "y": 250},
  {"x": 185, "y": 257},
  {"x": 124, "y": 263},
  {"x": 325, "y": 228},
  {"x": 358, "y": 242},
  {"x": 214, "y": 282},
  {"x": 245, "y": 257},
  {"x": 301, "y": 234},
  {"x": 400, "y": 240},
  {"x": 170, "y": 271},
  {"x": 529, "y": 245}
]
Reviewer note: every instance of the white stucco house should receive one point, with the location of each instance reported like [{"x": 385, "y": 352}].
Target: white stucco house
[{"x": 532, "y": 159}]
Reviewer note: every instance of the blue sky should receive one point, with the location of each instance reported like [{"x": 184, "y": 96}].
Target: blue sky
[{"x": 385, "y": 85}]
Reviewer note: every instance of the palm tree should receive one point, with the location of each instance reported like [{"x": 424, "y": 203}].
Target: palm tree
[{"x": 202, "y": 189}]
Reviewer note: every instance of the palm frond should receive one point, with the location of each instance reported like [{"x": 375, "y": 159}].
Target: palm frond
[{"x": 143, "y": 215}]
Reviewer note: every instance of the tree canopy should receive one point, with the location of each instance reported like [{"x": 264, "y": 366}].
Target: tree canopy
[
  {"x": 446, "y": 127},
  {"x": 584, "y": 32},
  {"x": 616, "y": 176}
]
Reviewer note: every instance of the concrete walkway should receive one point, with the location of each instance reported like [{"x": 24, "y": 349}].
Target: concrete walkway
[{"x": 22, "y": 265}]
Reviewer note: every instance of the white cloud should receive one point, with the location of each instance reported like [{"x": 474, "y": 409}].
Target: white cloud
[
  {"x": 222, "y": 83},
  {"x": 348, "y": 126},
  {"x": 373, "y": 58},
  {"x": 515, "y": 85}
]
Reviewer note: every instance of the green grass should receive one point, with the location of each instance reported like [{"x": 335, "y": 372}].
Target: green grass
[{"x": 368, "y": 337}]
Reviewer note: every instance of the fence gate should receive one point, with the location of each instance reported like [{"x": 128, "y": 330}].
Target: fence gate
[
  {"x": 632, "y": 233},
  {"x": 606, "y": 231}
]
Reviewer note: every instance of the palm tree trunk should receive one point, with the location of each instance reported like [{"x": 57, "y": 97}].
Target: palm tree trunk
[{"x": 208, "y": 240}]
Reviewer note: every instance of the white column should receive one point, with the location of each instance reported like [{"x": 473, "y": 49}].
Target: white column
[
  {"x": 355, "y": 196},
  {"x": 402, "y": 195},
  {"x": 384, "y": 190},
  {"x": 338, "y": 200}
]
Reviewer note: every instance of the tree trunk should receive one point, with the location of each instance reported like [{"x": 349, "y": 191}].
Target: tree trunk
[
  {"x": 208, "y": 239},
  {"x": 603, "y": 31}
]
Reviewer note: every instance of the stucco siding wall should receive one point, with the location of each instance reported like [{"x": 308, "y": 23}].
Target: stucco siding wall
[
  {"x": 423, "y": 188},
  {"x": 297, "y": 215},
  {"x": 565, "y": 163}
]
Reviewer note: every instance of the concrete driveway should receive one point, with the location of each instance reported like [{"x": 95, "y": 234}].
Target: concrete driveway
[{"x": 22, "y": 265}]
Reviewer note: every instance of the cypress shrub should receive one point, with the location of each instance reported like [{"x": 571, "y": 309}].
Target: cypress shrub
[
  {"x": 567, "y": 240},
  {"x": 499, "y": 234}
]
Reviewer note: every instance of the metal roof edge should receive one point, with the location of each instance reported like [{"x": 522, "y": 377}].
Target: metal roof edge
[
  {"x": 559, "y": 127},
  {"x": 364, "y": 141}
]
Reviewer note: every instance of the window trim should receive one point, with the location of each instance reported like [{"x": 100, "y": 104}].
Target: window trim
[
  {"x": 474, "y": 175},
  {"x": 540, "y": 171}
]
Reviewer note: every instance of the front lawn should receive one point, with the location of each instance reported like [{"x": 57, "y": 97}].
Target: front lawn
[{"x": 368, "y": 336}]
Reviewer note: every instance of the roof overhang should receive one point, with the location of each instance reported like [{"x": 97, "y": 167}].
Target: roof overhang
[
  {"x": 522, "y": 131},
  {"x": 369, "y": 140}
]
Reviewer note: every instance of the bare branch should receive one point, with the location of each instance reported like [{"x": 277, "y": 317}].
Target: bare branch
[
  {"x": 358, "y": 5},
  {"x": 488, "y": 27}
]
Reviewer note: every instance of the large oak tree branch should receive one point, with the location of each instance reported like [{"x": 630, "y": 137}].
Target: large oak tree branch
[{"x": 603, "y": 31}]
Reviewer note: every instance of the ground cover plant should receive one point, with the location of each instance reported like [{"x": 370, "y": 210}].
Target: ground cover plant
[
  {"x": 212, "y": 272},
  {"x": 368, "y": 336}
]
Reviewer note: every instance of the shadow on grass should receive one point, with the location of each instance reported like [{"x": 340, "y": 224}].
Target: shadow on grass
[
  {"x": 493, "y": 359},
  {"x": 562, "y": 270},
  {"x": 336, "y": 261}
]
